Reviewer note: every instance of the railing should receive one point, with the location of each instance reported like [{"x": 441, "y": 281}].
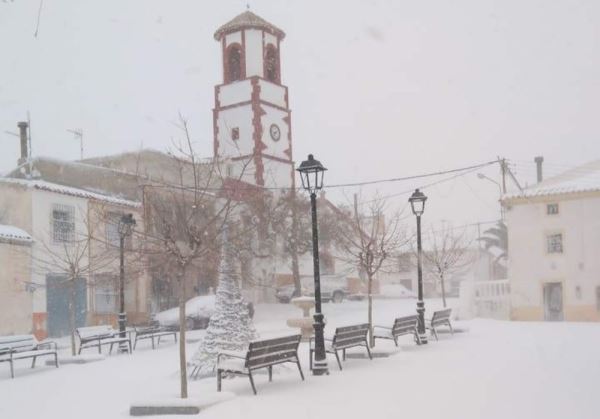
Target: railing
[{"x": 489, "y": 299}]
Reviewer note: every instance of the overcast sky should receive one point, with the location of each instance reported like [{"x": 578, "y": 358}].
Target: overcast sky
[{"x": 378, "y": 89}]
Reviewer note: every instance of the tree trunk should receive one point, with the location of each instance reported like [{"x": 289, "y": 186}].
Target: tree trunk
[
  {"x": 370, "y": 310},
  {"x": 296, "y": 274},
  {"x": 182, "y": 327},
  {"x": 443, "y": 289},
  {"x": 72, "y": 292}
]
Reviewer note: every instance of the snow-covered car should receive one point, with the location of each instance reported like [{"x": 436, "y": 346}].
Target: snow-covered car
[
  {"x": 333, "y": 289},
  {"x": 197, "y": 313},
  {"x": 395, "y": 291}
]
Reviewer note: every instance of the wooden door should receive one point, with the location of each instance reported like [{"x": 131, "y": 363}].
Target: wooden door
[{"x": 553, "y": 301}]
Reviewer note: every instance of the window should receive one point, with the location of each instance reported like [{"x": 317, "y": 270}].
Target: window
[
  {"x": 271, "y": 64},
  {"x": 105, "y": 294},
  {"x": 552, "y": 209},
  {"x": 234, "y": 63},
  {"x": 404, "y": 263},
  {"x": 555, "y": 243},
  {"x": 235, "y": 134},
  {"x": 112, "y": 229},
  {"x": 63, "y": 223}
]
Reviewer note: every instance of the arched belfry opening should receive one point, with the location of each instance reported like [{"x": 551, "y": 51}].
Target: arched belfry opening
[
  {"x": 234, "y": 63},
  {"x": 272, "y": 64}
]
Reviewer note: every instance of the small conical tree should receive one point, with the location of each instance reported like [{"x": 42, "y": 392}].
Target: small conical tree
[{"x": 230, "y": 327}]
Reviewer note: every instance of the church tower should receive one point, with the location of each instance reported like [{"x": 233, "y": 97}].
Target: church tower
[{"x": 251, "y": 118}]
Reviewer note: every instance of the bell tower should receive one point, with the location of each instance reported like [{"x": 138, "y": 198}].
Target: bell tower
[{"x": 251, "y": 117}]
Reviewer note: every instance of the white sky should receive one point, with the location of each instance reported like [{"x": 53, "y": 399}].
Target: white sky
[{"x": 377, "y": 88}]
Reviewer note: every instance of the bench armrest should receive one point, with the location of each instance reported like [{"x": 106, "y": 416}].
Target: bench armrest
[
  {"x": 231, "y": 354},
  {"x": 383, "y": 327},
  {"x": 47, "y": 344}
]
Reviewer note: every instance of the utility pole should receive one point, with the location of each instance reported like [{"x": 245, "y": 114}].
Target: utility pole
[
  {"x": 503, "y": 170},
  {"x": 78, "y": 133}
]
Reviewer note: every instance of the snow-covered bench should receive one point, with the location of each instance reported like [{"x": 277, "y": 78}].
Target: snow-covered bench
[
  {"x": 344, "y": 338},
  {"x": 440, "y": 318},
  {"x": 25, "y": 346},
  {"x": 96, "y": 336},
  {"x": 402, "y": 326},
  {"x": 260, "y": 354},
  {"x": 152, "y": 332}
]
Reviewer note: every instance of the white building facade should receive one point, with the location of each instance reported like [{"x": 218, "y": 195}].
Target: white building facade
[{"x": 554, "y": 247}]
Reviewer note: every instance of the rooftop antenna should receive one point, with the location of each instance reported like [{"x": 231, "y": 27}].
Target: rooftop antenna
[{"x": 78, "y": 133}]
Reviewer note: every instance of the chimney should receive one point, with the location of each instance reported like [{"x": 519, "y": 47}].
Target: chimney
[
  {"x": 538, "y": 162},
  {"x": 23, "y": 136}
]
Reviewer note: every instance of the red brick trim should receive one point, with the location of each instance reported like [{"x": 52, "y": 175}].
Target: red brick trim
[
  {"x": 259, "y": 146},
  {"x": 262, "y": 155},
  {"x": 249, "y": 102}
]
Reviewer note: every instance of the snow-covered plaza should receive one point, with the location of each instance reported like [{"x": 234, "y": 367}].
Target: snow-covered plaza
[{"x": 490, "y": 369}]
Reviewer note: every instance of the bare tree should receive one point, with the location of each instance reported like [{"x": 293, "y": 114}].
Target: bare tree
[
  {"x": 186, "y": 223},
  {"x": 448, "y": 254},
  {"x": 368, "y": 241}
]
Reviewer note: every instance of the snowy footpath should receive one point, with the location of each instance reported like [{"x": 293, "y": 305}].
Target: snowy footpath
[{"x": 491, "y": 370}]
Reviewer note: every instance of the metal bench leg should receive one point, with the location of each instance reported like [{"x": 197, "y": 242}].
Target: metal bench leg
[
  {"x": 12, "y": 369},
  {"x": 434, "y": 333},
  {"x": 135, "y": 342},
  {"x": 130, "y": 350},
  {"x": 56, "y": 359},
  {"x": 344, "y": 355},
  {"x": 79, "y": 352},
  {"x": 368, "y": 351},
  {"x": 110, "y": 350},
  {"x": 152, "y": 339},
  {"x": 338, "y": 358},
  {"x": 252, "y": 382},
  {"x": 218, "y": 379},
  {"x": 417, "y": 337},
  {"x": 310, "y": 359},
  {"x": 175, "y": 334},
  {"x": 270, "y": 368},
  {"x": 99, "y": 348},
  {"x": 33, "y": 362},
  {"x": 396, "y": 340},
  {"x": 299, "y": 368}
]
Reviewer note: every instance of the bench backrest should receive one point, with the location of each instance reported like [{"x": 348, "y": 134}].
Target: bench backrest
[
  {"x": 441, "y": 316},
  {"x": 405, "y": 324},
  {"x": 95, "y": 331},
  {"x": 18, "y": 343},
  {"x": 348, "y": 336},
  {"x": 272, "y": 351}
]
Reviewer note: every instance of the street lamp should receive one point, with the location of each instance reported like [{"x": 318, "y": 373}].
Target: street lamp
[
  {"x": 417, "y": 202},
  {"x": 312, "y": 173},
  {"x": 482, "y": 176},
  {"x": 126, "y": 224}
]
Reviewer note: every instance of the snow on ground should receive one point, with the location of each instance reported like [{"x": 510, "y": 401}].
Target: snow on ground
[{"x": 494, "y": 370}]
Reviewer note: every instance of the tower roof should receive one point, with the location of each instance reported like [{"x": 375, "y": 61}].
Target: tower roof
[{"x": 248, "y": 20}]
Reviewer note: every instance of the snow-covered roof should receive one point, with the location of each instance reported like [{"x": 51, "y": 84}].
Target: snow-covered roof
[
  {"x": 248, "y": 20},
  {"x": 585, "y": 178},
  {"x": 12, "y": 233},
  {"x": 68, "y": 190}
]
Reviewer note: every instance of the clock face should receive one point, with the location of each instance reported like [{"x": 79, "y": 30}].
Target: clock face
[{"x": 275, "y": 132}]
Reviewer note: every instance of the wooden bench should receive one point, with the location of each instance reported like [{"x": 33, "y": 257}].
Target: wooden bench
[
  {"x": 440, "y": 318},
  {"x": 152, "y": 333},
  {"x": 96, "y": 336},
  {"x": 407, "y": 325},
  {"x": 25, "y": 346},
  {"x": 260, "y": 354},
  {"x": 344, "y": 338}
]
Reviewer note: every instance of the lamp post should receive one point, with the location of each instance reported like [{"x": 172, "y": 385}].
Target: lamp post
[
  {"x": 126, "y": 224},
  {"x": 311, "y": 173},
  {"x": 417, "y": 203},
  {"x": 482, "y": 176}
]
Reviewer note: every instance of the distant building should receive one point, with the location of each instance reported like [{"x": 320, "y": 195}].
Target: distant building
[{"x": 553, "y": 247}]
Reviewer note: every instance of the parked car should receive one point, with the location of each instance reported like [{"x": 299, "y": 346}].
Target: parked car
[
  {"x": 333, "y": 289},
  {"x": 198, "y": 311},
  {"x": 395, "y": 291}
]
